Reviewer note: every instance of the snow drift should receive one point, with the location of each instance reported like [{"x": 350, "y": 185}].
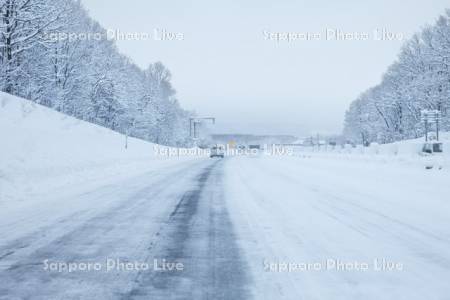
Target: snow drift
[
  {"x": 43, "y": 150},
  {"x": 405, "y": 152}
]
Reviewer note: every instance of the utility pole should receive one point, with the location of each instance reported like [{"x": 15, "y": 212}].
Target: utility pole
[
  {"x": 318, "y": 142},
  {"x": 437, "y": 126}
]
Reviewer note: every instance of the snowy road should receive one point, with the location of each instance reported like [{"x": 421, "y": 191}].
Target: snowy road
[
  {"x": 232, "y": 226},
  {"x": 331, "y": 219},
  {"x": 178, "y": 217}
]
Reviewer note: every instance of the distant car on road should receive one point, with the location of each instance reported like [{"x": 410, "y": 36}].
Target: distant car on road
[
  {"x": 254, "y": 147},
  {"x": 217, "y": 151}
]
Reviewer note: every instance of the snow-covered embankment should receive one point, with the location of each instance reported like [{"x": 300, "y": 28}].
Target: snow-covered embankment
[{"x": 43, "y": 152}]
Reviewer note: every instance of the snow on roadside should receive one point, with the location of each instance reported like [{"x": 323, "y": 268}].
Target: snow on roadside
[
  {"x": 406, "y": 152},
  {"x": 42, "y": 150}
]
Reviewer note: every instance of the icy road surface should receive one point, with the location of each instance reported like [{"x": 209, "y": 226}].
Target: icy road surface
[{"x": 238, "y": 228}]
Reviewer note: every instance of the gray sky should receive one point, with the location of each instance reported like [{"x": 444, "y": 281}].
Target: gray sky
[{"x": 226, "y": 67}]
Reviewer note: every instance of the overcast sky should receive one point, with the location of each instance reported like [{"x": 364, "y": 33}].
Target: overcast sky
[{"x": 225, "y": 66}]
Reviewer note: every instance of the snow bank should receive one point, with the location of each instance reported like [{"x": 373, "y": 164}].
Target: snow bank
[
  {"x": 42, "y": 150},
  {"x": 408, "y": 147},
  {"x": 408, "y": 151}
]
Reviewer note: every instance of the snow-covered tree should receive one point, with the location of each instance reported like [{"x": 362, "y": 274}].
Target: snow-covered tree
[
  {"x": 419, "y": 79},
  {"x": 53, "y": 53}
]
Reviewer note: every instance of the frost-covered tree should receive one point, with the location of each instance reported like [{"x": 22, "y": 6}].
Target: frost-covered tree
[
  {"x": 23, "y": 24},
  {"x": 53, "y": 53},
  {"x": 419, "y": 79}
]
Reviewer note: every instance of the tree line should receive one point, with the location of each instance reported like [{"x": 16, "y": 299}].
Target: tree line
[
  {"x": 418, "y": 80},
  {"x": 55, "y": 54}
]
